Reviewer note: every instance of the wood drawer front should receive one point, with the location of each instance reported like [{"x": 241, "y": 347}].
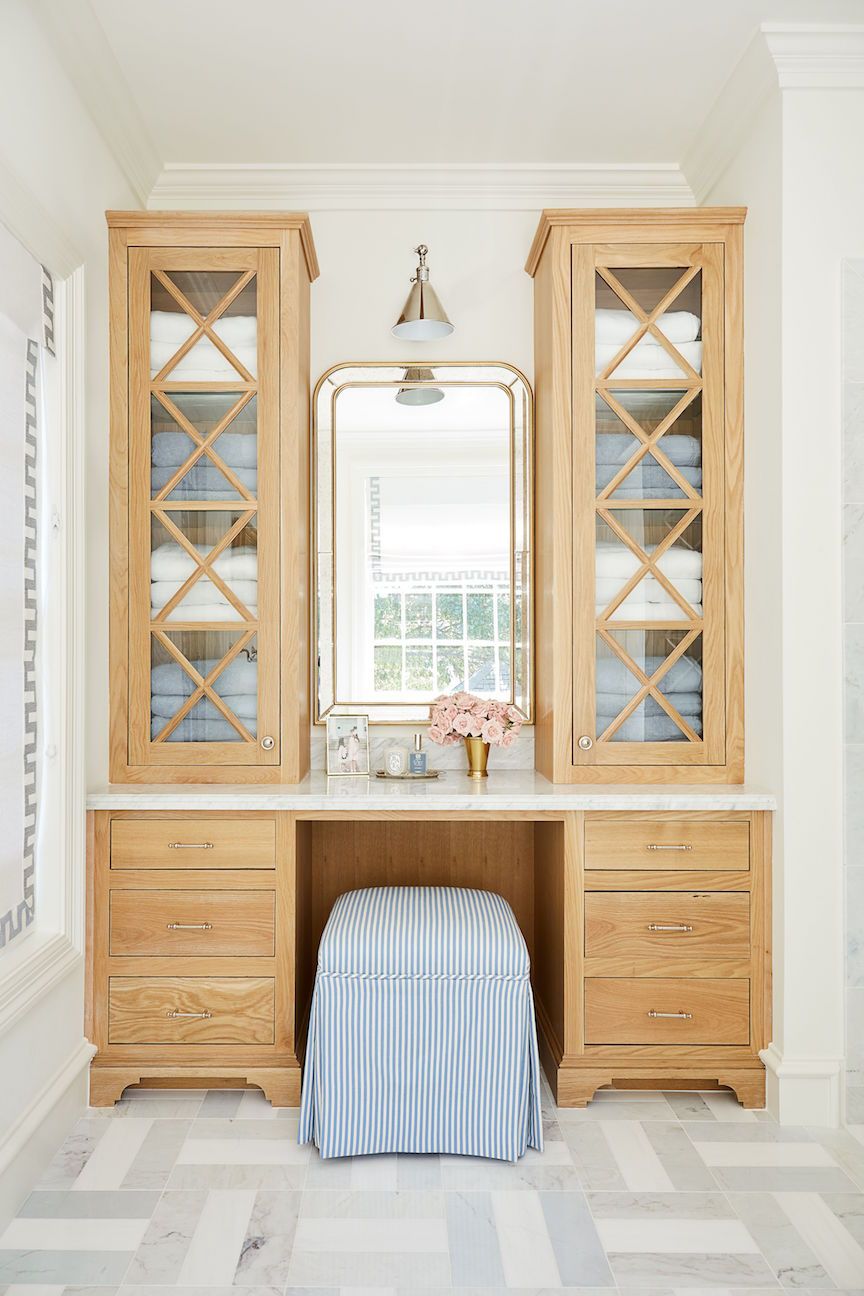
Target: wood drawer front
[
  {"x": 713, "y": 924},
  {"x": 617, "y": 1010},
  {"x": 241, "y": 1010},
  {"x": 224, "y": 923},
  {"x": 193, "y": 843},
  {"x": 671, "y": 844}
]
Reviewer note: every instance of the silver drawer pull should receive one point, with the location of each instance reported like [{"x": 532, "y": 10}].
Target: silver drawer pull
[
  {"x": 680, "y": 846},
  {"x": 174, "y": 1013},
  {"x": 188, "y": 926},
  {"x": 676, "y": 927},
  {"x": 679, "y": 1016},
  {"x": 190, "y": 845}
]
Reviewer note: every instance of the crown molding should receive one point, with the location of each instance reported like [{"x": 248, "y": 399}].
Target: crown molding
[
  {"x": 811, "y": 56},
  {"x": 80, "y": 44},
  {"x": 414, "y": 187},
  {"x": 779, "y": 57}
]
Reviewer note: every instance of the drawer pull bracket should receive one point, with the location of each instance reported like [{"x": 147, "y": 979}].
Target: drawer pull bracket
[
  {"x": 679, "y": 1016},
  {"x": 188, "y": 926},
  {"x": 190, "y": 845},
  {"x": 671, "y": 927},
  {"x": 174, "y": 1013},
  {"x": 681, "y": 846}
]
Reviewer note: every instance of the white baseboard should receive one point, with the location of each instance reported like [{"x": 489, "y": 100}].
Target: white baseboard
[
  {"x": 27, "y": 1148},
  {"x": 803, "y": 1091}
]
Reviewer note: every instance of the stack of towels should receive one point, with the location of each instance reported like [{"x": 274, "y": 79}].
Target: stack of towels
[
  {"x": 239, "y": 450},
  {"x": 650, "y": 600},
  {"x": 204, "y": 362},
  {"x": 682, "y": 684},
  {"x": 237, "y": 685},
  {"x": 170, "y": 565},
  {"x": 648, "y": 359},
  {"x": 648, "y": 480}
]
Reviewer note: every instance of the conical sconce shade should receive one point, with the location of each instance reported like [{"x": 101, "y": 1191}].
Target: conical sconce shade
[
  {"x": 419, "y": 395},
  {"x": 423, "y": 317}
]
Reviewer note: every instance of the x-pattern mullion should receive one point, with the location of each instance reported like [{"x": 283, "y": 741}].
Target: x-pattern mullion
[
  {"x": 648, "y": 564},
  {"x": 647, "y": 320},
  {"x": 204, "y": 445},
  {"x": 649, "y": 686},
  {"x": 205, "y": 564},
  {"x": 204, "y": 324},
  {"x": 204, "y": 685},
  {"x": 649, "y": 442}
]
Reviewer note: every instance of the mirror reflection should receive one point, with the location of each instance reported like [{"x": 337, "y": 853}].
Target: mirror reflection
[{"x": 423, "y": 532}]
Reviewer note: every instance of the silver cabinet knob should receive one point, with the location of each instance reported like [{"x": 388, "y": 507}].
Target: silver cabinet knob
[
  {"x": 268, "y": 743},
  {"x": 586, "y": 743}
]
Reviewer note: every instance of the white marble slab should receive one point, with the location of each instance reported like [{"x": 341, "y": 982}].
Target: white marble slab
[{"x": 503, "y": 790}]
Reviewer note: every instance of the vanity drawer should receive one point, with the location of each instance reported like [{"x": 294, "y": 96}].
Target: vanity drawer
[
  {"x": 674, "y": 1010},
  {"x": 210, "y": 1010},
  {"x": 667, "y": 844},
  {"x": 224, "y": 923},
  {"x": 645, "y": 923},
  {"x": 193, "y": 844}
]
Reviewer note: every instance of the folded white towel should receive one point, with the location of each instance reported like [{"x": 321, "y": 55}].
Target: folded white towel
[
  {"x": 206, "y": 612},
  {"x": 648, "y": 359},
  {"x": 169, "y": 562},
  {"x": 617, "y": 560},
  {"x": 175, "y": 327},
  {"x": 641, "y": 611},
  {"x": 649, "y": 589},
  {"x": 618, "y": 326},
  {"x": 203, "y": 591},
  {"x": 204, "y": 358}
]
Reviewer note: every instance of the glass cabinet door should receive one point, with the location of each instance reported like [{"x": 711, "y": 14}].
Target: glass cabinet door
[
  {"x": 648, "y": 487},
  {"x": 204, "y": 530}
]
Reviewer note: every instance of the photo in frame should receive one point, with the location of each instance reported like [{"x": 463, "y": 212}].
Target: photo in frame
[{"x": 347, "y": 745}]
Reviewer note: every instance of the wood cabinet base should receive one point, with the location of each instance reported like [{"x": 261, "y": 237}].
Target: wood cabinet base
[
  {"x": 576, "y": 1086},
  {"x": 280, "y": 1085}
]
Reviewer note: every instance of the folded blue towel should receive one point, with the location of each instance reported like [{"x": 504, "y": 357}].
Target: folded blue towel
[
  {"x": 238, "y": 449},
  {"x": 617, "y": 447},
  {"x": 244, "y": 707},
  {"x": 203, "y": 479},
  {"x": 239, "y": 676},
  {"x": 191, "y": 729},
  {"x": 686, "y": 704},
  {"x": 646, "y": 481},
  {"x": 612, "y": 676},
  {"x": 648, "y": 728}
]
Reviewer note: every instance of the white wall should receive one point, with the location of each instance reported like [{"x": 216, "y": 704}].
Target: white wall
[{"x": 54, "y": 166}]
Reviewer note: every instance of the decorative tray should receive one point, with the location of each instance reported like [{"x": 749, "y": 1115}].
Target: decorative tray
[{"x": 407, "y": 778}]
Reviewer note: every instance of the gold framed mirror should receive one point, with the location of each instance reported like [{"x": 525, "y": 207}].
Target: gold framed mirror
[{"x": 422, "y": 537}]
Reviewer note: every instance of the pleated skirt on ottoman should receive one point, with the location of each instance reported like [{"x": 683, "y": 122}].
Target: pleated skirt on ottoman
[{"x": 421, "y": 1033}]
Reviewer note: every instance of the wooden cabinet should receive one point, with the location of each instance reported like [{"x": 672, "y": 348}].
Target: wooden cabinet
[
  {"x": 638, "y": 386},
  {"x": 191, "y": 952},
  {"x": 209, "y": 496},
  {"x": 667, "y": 978}
]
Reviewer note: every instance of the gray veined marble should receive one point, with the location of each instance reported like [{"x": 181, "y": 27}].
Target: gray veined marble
[{"x": 267, "y": 1247}]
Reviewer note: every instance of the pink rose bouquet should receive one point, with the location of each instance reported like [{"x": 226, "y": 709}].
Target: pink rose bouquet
[{"x": 455, "y": 716}]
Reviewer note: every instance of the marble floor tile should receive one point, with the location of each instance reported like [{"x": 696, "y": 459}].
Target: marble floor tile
[
  {"x": 840, "y": 1254},
  {"x": 690, "y": 1270},
  {"x": 475, "y": 1254},
  {"x": 846, "y": 1150},
  {"x": 114, "y": 1154},
  {"x": 782, "y": 1179},
  {"x": 72, "y": 1157},
  {"x": 527, "y": 1256},
  {"x": 44, "y": 1204},
  {"x": 221, "y": 1102},
  {"x": 163, "y": 1248},
  {"x": 592, "y": 1157},
  {"x": 157, "y": 1155},
  {"x": 724, "y": 1106},
  {"x": 341, "y": 1269},
  {"x": 38, "y": 1266},
  {"x": 764, "y": 1154},
  {"x": 576, "y": 1242},
  {"x": 703, "y": 1236},
  {"x": 267, "y": 1246},
  {"x": 370, "y": 1234},
  {"x": 214, "y": 1250},
  {"x": 628, "y": 1109},
  {"x": 660, "y": 1206},
  {"x": 240, "y": 1151},
  {"x": 350, "y": 1204},
  {"x": 51, "y": 1234},
  {"x": 417, "y": 1171},
  {"x": 682, "y": 1163},
  {"x": 794, "y": 1262},
  {"x": 688, "y": 1106},
  {"x": 287, "y": 1178},
  {"x": 640, "y": 1167}
]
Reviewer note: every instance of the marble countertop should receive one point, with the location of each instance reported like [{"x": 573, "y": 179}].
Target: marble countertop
[{"x": 503, "y": 790}]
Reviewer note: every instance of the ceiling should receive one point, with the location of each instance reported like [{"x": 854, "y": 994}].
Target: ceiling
[{"x": 458, "y": 81}]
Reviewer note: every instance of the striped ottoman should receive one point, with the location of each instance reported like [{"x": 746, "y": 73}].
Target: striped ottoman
[{"x": 421, "y": 1034}]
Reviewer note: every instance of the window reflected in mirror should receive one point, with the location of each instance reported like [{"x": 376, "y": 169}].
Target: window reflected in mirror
[{"x": 423, "y": 527}]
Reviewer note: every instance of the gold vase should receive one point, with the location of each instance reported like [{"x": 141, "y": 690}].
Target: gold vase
[{"x": 477, "y": 752}]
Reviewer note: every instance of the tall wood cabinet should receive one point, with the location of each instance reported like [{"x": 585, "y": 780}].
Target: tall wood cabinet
[
  {"x": 209, "y": 496},
  {"x": 639, "y": 478}
]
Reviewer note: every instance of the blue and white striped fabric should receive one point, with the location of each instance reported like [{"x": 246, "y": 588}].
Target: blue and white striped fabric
[{"x": 421, "y": 1034}]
